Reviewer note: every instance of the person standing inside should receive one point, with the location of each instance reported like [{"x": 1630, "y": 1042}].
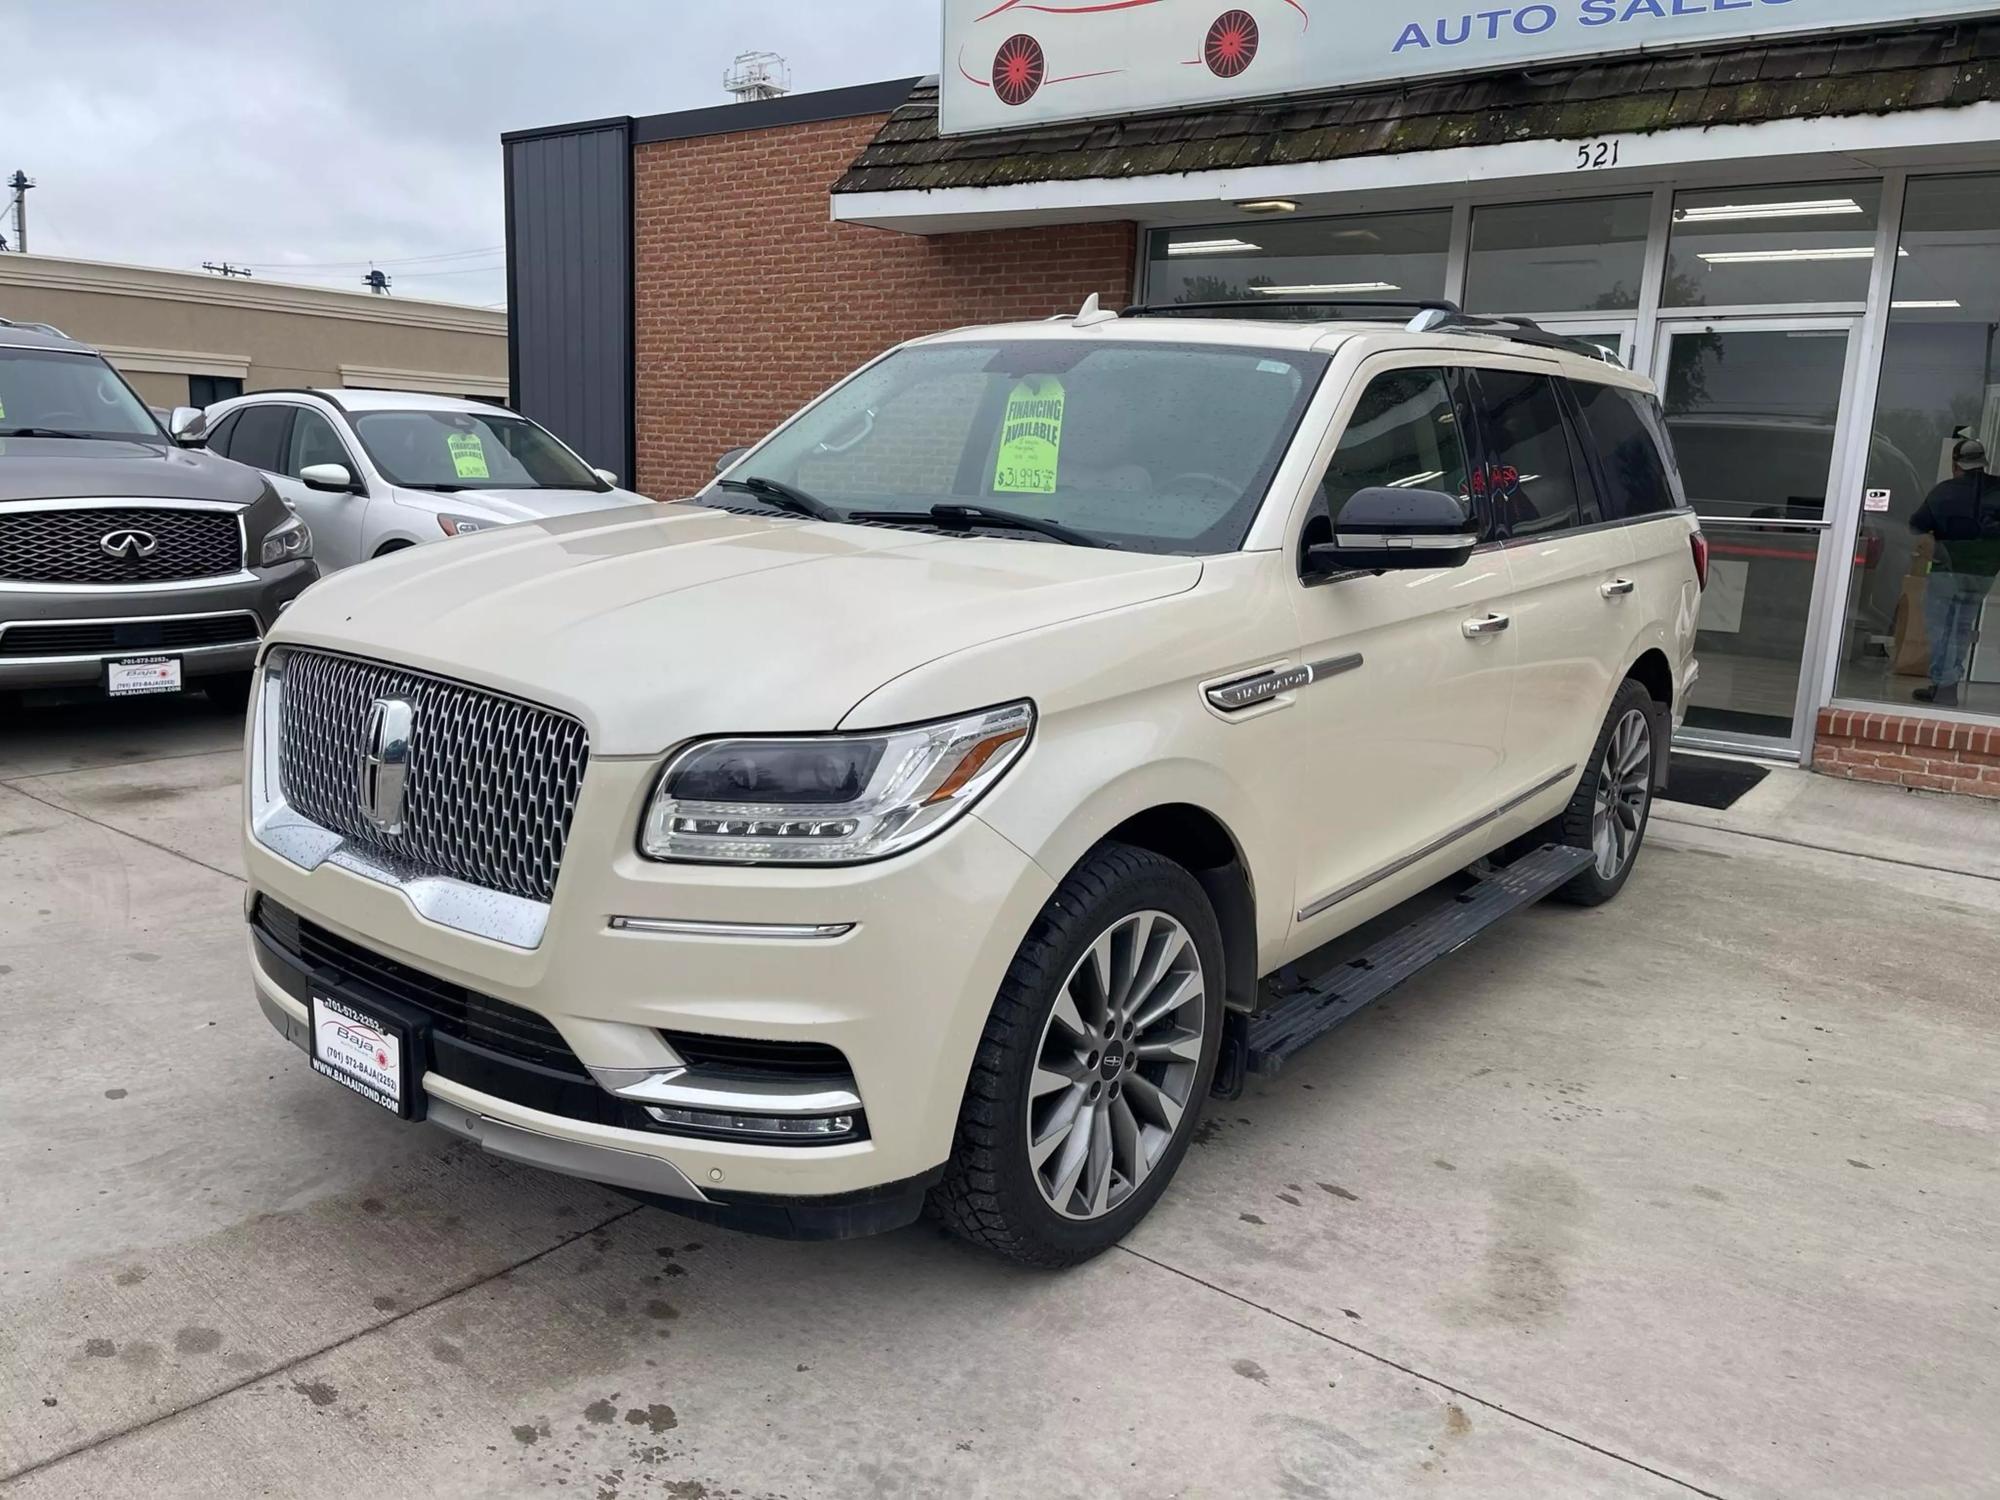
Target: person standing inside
[{"x": 1962, "y": 516}]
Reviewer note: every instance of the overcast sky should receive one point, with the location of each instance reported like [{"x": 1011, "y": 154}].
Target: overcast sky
[{"x": 306, "y": 138}]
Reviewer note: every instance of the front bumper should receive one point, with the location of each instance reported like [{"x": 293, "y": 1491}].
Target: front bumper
[
  {"x": 144, "y": 622},
  {"x": 899, "y": 979}
]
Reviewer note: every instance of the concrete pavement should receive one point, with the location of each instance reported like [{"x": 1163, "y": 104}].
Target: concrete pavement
[{"x": 1689, "y": 1194}]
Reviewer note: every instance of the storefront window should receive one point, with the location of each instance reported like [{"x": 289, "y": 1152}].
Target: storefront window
[
  {"x": 1380, "y": 257},
  {"x": 1923, "y": 620},
  {"x": 1587, "y": 255},
  {"x": 1772, "y": 246}
]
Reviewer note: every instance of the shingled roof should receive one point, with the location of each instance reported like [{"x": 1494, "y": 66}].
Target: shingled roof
[{"x": 1918, "y": 67}]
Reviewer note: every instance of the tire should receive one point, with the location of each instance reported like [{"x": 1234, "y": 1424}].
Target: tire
[
  {"x": 998, "y": 1191},
  {"x": 230, "y": 691},
  {"x": 1621, "y": 793}
]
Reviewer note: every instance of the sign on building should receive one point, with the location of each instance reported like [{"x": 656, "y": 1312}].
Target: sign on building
[{"x": 1010, "y": 63}]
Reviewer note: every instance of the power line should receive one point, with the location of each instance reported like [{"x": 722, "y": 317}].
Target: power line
[{"x": 350, "y": 265}]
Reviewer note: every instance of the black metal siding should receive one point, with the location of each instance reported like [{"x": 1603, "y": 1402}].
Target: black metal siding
[{"x": 569, "y": 286}]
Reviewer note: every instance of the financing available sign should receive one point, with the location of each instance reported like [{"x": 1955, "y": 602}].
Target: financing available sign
[{"x": 1012, "y": 63}]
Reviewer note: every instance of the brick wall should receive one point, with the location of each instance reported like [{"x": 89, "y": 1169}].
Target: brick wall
[
  {"x": 749, "y": 301},
  {"x": 1932, "y": 755}
]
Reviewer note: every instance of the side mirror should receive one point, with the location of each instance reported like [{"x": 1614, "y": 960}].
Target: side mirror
[
  {"x": 728, "y": 460},
  {"x": 606, "y": 475},
  {"x": 1391, "y": 527},
  {"x": 332, "y": 478},
  {"x": 184, "y": 421}
]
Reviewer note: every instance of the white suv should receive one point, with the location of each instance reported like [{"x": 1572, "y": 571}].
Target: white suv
[
  {"x": 926, "y": 809},
  {"x": 376, "y": 471}
]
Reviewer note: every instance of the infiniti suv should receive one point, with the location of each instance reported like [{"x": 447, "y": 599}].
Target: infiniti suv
[{"x": 128, "y": 565}]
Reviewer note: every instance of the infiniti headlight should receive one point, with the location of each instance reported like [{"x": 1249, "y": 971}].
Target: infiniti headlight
[
  {"x": 829, "y": 799},
  {"x": 288, "y": 541}
]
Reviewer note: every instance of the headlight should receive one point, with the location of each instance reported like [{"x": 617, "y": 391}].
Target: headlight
[
  {"x": 829, "y": 799},
  {"x": 463, "y": 525},
  {"x": 288, "y": 541}
]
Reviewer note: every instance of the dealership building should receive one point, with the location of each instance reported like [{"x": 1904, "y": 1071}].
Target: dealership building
[{"x": 1785, "y": 212}]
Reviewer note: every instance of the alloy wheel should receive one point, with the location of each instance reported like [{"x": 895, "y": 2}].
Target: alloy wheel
[
  {"x": 1624, "y": 783},
  {"x": 1116, "y": 1067}
]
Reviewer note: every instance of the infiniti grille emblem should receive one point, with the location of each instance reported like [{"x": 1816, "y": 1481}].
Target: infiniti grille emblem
[
  {"x": 384, "y": 763},
  {"x": 129, "y": 544}
]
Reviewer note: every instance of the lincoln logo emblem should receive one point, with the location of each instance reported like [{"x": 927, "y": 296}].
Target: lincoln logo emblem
[
  {"x": 384, "y": 763},
  {"x": 130, "y": 545}
]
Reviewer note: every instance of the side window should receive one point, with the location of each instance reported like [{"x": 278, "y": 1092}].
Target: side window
[
  {"x": 1623, "y": 426},
  {"x": 313, "y": 442},
  {"x": 259, "y": 439},
  {"x": 218, "y": 440},
  {"x": 1529, "y": 482},
  {"x": 1404, "y": 434}
]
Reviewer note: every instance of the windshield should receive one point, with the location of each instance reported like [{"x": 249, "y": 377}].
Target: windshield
[
  {"x": 1151, "y": 447},
  {"x": 459, "y": 450},
  {"x": 53, "y": 393}
]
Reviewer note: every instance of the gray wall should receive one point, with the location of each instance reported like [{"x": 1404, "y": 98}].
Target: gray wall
[{"x": 569, "y": 285}]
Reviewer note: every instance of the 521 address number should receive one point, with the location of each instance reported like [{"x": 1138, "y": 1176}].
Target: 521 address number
[{"x": 1591, "y": 155}]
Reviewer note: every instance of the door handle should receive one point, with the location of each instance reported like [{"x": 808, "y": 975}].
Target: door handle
[
  {"x": 1616, "y": 588},
  {"x": 1485, "y": 625}
]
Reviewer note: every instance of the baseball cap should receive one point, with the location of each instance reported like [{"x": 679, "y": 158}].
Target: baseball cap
[{"x": 1969, "y": 453}]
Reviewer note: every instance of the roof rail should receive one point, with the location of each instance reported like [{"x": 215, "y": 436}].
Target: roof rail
[
  {"x": 49, "y": 328},
  {"x": 295, "y": 390},
  {"x": 1253, "y": 306},
  {"x": 1515, "y": 330}
]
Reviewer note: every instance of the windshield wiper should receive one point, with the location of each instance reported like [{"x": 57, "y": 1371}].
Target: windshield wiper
[
  {"x": 46, "y": 432},
  {"x": 441, "y": 489},
  {"x": 784, "y": 496},
  {"x": 977, "y": 516}
]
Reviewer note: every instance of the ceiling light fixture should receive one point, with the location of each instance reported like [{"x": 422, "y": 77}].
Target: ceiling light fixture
[
  {"x": 1326, "y": 288},
  {"x": 1808, "y": 208},
  {"x": 1773, "y": 257},
  {"x": 1269, "y": 206},
  {"x": 1211, "y": 247}
]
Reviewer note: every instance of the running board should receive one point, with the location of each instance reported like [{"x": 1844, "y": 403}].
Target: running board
[{"x": 1304, "y": 1015}]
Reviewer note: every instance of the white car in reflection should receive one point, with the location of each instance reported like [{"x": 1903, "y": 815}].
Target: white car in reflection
[{"x": 376, "y": 471}]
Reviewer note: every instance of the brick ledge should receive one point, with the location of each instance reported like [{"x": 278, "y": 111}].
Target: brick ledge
[{"x": 1925, "y": 754}]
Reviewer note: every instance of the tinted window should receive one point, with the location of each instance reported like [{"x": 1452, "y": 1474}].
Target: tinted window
[
  {"x": 1622, "y": 426},
  {"x": 259, "y": 439},
  {"x": 313, "y": 442},
  {"x": 466, "y": 450},
  {"x": 218, "y": 440},
  {"x": 1404, "y": 434},
  {"x": 1529, "y": 483}
]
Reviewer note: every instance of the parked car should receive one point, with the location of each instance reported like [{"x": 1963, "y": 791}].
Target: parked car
[
  {"x": 376, "y": 471},
  {"x": 127, "y": 565},
  {"x": 927, "y": 808}
]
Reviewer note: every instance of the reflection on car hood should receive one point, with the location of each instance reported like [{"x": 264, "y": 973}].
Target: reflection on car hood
[
  {"x": 505, "y": 506},
  {"x": 79, "y": 468},
  {"x": 656, "y": 627}
]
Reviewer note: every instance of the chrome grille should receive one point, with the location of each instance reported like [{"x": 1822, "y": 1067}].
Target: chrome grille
[
  {"x": 66, "y": 546},
  {"x": 492, "y": 781}
]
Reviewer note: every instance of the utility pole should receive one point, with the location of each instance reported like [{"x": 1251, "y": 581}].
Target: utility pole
[
  {"x": 225, "y": 269},
  {"x": 376, "y": 282},
  {"x": 20, "y": 182}
]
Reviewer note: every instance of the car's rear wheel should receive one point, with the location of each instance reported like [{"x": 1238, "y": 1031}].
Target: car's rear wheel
[
  {"x": 1614, "y": 801},
  {"x": 1093, "y": 1066}
]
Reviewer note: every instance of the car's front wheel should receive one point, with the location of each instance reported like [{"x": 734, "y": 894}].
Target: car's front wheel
[{"x": 1093, "y": 1066}]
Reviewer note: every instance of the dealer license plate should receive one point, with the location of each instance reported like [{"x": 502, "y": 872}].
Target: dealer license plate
[
  {"x": 359, "y": 1051},
  {"x": 142, "y": 674}
]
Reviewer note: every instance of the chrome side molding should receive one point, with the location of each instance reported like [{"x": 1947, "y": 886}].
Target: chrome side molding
[
  {"x": 679, "y": 927},
  {"x": 1261, "y": 687},
  {"x": 1436, "y": 845}
]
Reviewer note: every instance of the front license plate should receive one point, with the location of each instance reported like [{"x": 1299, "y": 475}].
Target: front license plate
[
  {"x": 142, "y": 674},
  {"x": 363, "y": 1052}
]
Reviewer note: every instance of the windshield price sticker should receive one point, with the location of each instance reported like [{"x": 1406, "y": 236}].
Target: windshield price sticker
[
  {"x": 468, "y": 455},
  {"x": 1030, "y": 438}
]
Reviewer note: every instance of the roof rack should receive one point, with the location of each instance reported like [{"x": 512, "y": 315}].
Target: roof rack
[
  {"x": 22, "y": 323},
  {"x": 296, "y": 390},
  {"x": 1433, "y": 315}
]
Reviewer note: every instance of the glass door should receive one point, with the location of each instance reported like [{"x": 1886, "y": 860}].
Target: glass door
[
  {"x": 1617, "y": 336},
  {"x": 1756, "y": 410}
]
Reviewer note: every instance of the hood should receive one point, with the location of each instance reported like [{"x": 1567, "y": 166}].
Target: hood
[
  {"x": 92, "y": 468},
  {"x": 506, "y": 506},
  {"x": 653, "y": 627}
]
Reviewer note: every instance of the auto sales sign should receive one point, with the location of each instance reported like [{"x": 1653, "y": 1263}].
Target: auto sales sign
[{"x": 1010, "y": 63}]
